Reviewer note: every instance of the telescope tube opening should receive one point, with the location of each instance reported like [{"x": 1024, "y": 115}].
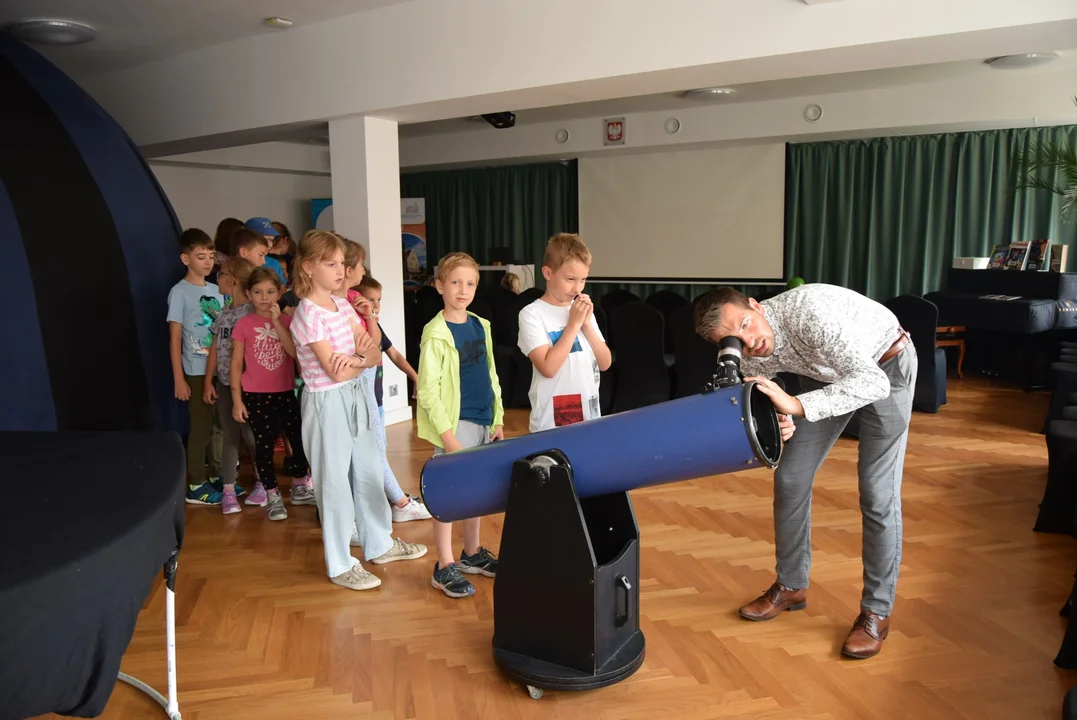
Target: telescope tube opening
[{"x": 762, "y": 425}]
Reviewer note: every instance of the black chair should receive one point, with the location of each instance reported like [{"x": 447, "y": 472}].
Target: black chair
[
  {"x": 1059, "y": 502},
  {"x": 613, "y": 300},
  {"x": 696, "y": 359},
  {"x": 666, "y": 302},
  {"x": 920, "y": 318},
  {"x": 1063, "y": 383},
  {"x": 642, "y": 376}
]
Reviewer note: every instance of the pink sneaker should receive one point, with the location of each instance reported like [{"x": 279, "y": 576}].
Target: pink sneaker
[
  {"x": 258, "y": 496},
  {"x": 229, "y": 504}
]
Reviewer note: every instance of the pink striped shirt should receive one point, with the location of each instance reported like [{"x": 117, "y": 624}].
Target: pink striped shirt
[{"x": 313, "y": 323}]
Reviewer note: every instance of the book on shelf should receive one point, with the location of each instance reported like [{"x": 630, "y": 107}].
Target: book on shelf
[
  {"x": 1017, "y": 258},
  {"x": 1039, "y": 255}
]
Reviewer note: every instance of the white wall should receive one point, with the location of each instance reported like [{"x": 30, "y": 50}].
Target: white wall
[
  {"x": 990, "y": 99},
  {"x": 432, "y": 59},
  {"x": 203, "y": 196}
]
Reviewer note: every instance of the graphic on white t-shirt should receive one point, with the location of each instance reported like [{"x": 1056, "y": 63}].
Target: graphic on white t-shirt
[{"x": 570, "y": 396}]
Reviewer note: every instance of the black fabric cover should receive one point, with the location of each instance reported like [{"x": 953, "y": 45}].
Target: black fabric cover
[
  {"x": 83, "y": 225},
  {"x": 79, "y": 551}
]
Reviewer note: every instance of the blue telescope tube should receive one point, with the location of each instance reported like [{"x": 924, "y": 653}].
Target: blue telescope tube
[{"x": 716, "y": 432}]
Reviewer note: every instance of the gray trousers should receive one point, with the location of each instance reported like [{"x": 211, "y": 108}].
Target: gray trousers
[{"x": 884, "y": 430}]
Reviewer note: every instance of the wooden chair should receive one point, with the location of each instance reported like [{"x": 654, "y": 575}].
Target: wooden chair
[{"x": 951, "y": 336}]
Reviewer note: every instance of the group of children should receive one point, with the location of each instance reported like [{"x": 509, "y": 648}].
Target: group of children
[{"x": 238, "y": 346}]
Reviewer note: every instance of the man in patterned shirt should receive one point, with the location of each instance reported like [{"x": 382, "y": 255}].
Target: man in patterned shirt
[{"x": 851, "y": 355}]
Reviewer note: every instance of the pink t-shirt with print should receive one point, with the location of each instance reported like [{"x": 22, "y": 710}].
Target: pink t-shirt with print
[
  {"x": 313, "y": 323},
  {"x": 267, "y": 368}
]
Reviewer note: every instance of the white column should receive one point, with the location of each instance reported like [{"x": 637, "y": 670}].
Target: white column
[{"x": 365, "y": 160}]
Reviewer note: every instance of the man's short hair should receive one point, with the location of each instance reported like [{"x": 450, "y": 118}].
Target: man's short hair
[
  {"x": 709, "y": 308},
  {"x": 564, "y": 247}
]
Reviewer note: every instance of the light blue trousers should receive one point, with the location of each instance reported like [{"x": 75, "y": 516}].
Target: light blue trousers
[{"x": 341, "y": 437}]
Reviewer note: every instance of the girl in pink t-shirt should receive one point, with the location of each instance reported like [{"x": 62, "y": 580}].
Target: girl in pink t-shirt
[
  {"x": 263, "y": 385},
  {"x": 339, "y": 429}
]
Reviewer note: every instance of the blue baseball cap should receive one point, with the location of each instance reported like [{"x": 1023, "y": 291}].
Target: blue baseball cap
[{"x": 262, "y": 226}]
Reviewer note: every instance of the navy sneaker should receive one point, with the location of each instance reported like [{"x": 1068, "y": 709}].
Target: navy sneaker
[
  {"x": 481, "y": 563},
  {"x": 204, "y": 494}
]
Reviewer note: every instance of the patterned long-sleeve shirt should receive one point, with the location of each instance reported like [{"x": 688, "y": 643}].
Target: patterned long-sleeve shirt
[{"x": 833, "y": 335}]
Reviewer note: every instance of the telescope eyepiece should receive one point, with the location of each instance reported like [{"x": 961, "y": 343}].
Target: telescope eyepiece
[{"x": 730, "y": 352}]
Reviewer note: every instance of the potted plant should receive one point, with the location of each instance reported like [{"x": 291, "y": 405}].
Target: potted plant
[{"x": 1063, "y": 182}]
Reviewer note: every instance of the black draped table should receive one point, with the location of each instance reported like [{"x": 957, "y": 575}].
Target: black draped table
[{"x": 88, "y": 522}]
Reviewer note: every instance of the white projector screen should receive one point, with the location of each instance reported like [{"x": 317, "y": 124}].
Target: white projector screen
[{"x": 709, "y": 214}]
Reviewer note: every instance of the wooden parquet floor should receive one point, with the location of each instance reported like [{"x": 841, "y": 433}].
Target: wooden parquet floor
[{"x": 263, "y": 634}]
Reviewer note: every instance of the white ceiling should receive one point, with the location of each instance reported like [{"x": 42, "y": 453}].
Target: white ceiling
[
  {"x": 752, "y": 92},
  {"x": 133, "y": 32}
]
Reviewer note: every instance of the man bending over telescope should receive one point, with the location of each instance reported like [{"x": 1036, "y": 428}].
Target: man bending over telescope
[{"x": 850, "y": 354}]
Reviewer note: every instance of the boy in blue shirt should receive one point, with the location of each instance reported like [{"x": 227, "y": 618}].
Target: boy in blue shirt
[
  {"x": 193, "y": 305},
  {"x": 459, "y": 406}
]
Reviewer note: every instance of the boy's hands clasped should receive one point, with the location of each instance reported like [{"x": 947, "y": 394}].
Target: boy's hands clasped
[{"x": 581, "y": 311}]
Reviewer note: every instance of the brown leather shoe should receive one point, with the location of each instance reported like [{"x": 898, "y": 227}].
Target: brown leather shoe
[
  {"x": 776, "y": 599},
  {"x": 866, "y": 637}
]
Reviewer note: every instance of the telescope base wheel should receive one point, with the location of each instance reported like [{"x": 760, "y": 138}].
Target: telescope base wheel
[{"x": 538, "y": 675}]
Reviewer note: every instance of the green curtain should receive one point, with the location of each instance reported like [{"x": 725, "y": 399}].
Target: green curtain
[
  {"x": 887, "y": 216},
  {"x": 516, "y": 206}
]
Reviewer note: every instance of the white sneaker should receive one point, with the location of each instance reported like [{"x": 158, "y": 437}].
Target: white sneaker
[
  {"x": 357, "y": 579},
  {"x": 414, "y": 510},
  {"x": 401, "y": 551}
]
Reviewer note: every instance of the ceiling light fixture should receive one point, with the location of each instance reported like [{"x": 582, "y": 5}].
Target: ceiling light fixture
[
  {"x": 709, "y": 93},
  {"x": 1021, "y": 61},
  {"x": 51, "y": 32},
  {"x": 279, "y": 22}
]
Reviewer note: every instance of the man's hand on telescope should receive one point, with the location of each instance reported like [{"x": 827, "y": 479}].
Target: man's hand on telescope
[{"x": 784, "y": 403}]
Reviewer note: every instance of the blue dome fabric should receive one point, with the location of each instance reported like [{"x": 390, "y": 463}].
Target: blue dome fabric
[{"x": 90, "y": 249}]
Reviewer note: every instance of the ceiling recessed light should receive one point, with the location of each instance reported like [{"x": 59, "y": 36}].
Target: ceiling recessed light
[
  {"x": 1021, "y": 61},
  {"x": 51, "y": 32},
  {"x": 709, "y": 93}
]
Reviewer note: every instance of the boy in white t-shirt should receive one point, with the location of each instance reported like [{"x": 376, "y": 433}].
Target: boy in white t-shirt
[{"x": 560, "y": 336}]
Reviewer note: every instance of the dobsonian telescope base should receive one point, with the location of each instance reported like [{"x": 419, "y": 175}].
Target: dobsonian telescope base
[{"x": 566, "y": 595}]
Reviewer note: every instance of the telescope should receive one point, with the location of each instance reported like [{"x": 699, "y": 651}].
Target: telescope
[{"x": 564, "y": 493}]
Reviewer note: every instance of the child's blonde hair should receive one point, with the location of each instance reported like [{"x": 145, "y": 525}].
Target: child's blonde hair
[
  {"x": 239, "y": 268},
  {"x": 452, "y": 261},
  {"x": 315, "y": 247},
  {"x": 511, "y": 281},
  {"x": 563, "y": 248},
  {"x": 354, "y": 253}
]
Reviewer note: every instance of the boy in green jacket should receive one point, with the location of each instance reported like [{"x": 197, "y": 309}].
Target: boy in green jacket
[{"x": 459, "y": 406}]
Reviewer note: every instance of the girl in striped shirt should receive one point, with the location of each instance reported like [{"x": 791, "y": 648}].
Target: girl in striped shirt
[{"x": 337, "y": 358}]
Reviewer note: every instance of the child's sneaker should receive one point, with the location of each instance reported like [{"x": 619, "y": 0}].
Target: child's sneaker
[
  {"x": 276, "y": 506},
  {"x": 303, "y": 491},
  {"x": 229, "y": 504},
  {"x": 218, "y": 485},
  {"x": 449, "y": 581},
  {"x": 258, "y": 497},
  {"x": 481, "y": 563},
  {"x": 401, "y": 551},
  {"x": 203, "y": 494},
  {"x": 414, "y": 510},
  {"x": 357, "y": 579}
]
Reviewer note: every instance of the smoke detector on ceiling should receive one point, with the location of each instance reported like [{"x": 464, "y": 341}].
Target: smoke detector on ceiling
[
  {"x": 1021, "y": 61},
  {"x": 51, "y": 32}
]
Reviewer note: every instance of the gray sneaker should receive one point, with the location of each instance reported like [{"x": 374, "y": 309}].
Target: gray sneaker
[
  {"x": 276, "y": 506},
  {"x": 357, "y": 579},
  {"x": 303, "y": 495},
  {"x": 401, "y": 551}
]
